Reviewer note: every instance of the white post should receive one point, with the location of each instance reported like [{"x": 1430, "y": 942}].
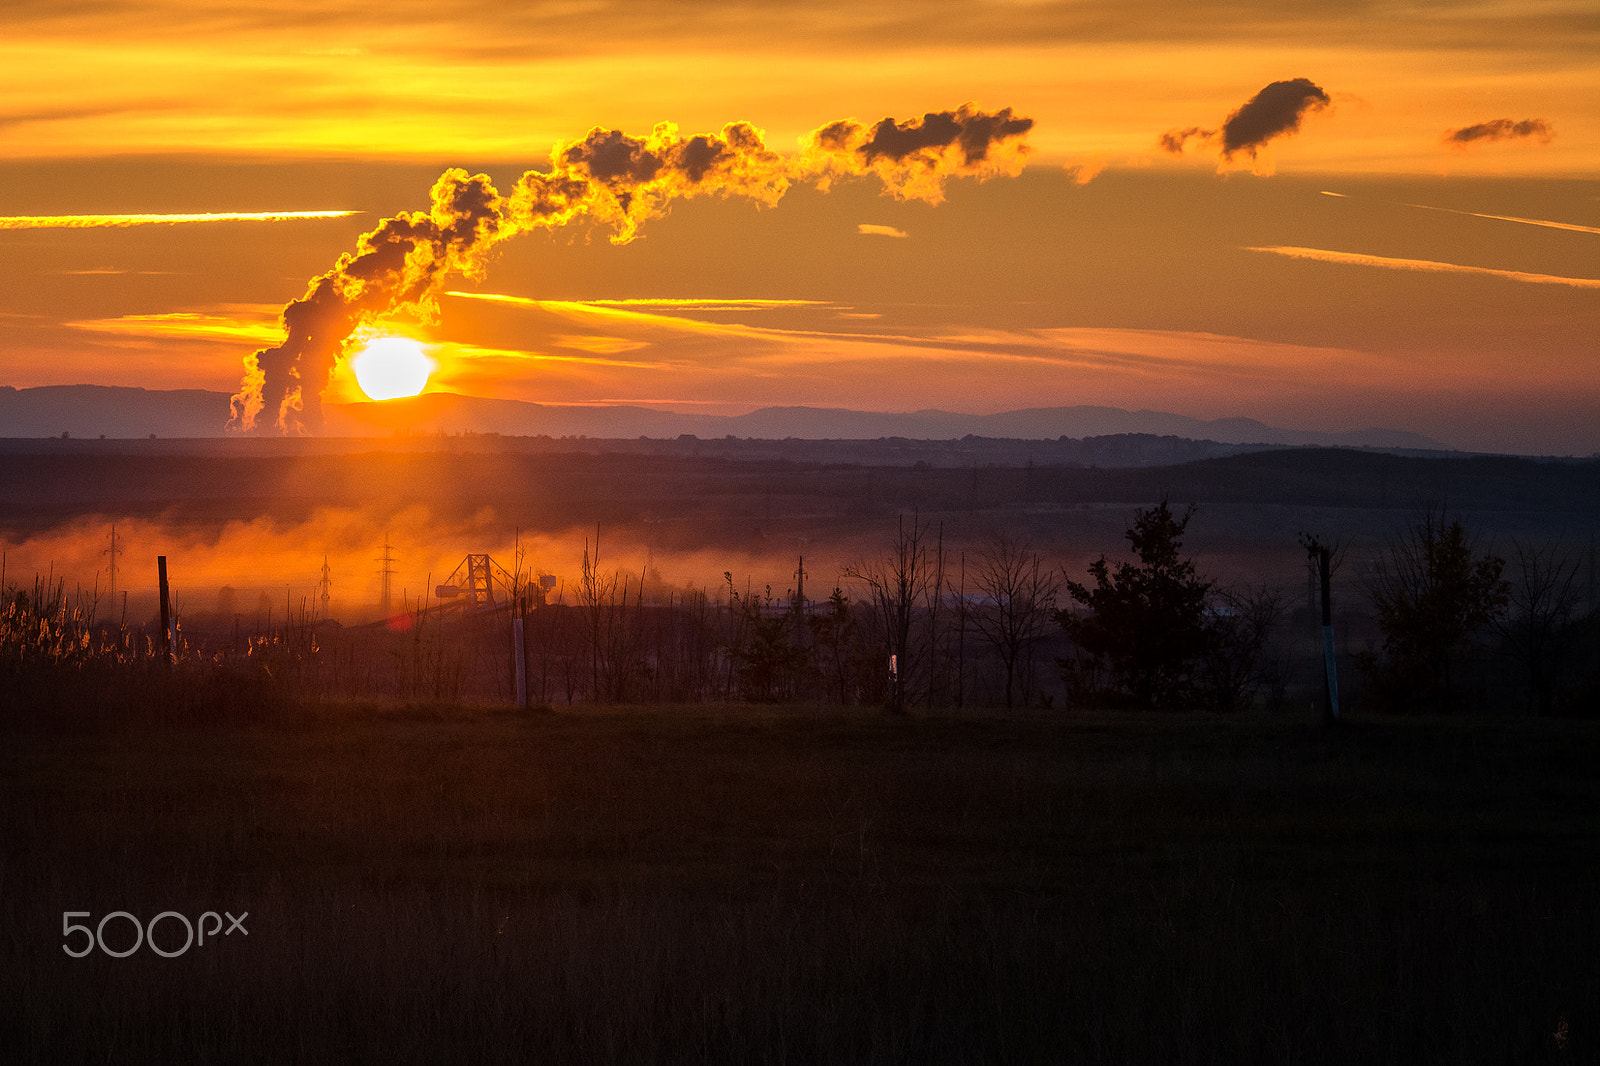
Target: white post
[{"x": 1330, "y": 672}]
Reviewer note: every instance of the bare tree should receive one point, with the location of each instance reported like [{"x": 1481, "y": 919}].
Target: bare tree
[
  {"x": 896, "y": 584},
  {"x": 1543, "y": 595},
  {"x": 1238, "y": 624},
  {"x": 614, "y": 631},
  {"x": 1018, "y": 605}
]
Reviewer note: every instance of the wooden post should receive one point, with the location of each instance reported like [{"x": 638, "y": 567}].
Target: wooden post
[
  {"x": 166, "y": 616},
  {"x": 1329, "y": 667},
  {"x": 520, "y": 656}
]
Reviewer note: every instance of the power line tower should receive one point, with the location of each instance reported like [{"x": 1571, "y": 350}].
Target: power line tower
[
  {"x": 799, "y": 605},
  {"x": 111, "y": 553},
  {"x": 386, "y": 574},
  {"x": 326, "y": 586}
]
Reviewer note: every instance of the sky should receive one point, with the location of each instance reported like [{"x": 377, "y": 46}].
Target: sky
[{"x": 1333, "y": 216}]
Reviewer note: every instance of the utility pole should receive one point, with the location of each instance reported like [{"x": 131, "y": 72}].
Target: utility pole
[
  {"x": 1330, "y": 668},
  {"x": 112, "y": 553},
  {"x": 1322, "y": 557},
  {"x": 800, "y": 601}
]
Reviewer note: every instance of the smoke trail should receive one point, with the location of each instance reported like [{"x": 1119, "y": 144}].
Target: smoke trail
[
  {"x": 914, "y": 157},
  {"x": 605, "y": 178},
  {"x": 400, "y": 265}
]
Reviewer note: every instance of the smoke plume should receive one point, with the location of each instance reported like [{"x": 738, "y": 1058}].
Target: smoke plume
[
  {"x": 1500, "y": 129},
  {"x": 914, "y": 157},
  {"x": 1274, "y": 111},
  {"x": 605, "y": 178}
]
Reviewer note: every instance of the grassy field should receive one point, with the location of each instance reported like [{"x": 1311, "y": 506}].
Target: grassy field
[{"x": 672, "y": 885}]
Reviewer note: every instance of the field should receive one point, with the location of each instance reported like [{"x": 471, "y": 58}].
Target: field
[{"x": 789, "y": 885}]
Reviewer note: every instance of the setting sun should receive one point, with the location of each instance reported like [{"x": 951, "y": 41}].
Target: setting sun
[{"x": 389, "y": 368}]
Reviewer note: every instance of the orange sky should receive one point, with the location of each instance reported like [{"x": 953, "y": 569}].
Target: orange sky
[{"x": 1450, "y": 287}]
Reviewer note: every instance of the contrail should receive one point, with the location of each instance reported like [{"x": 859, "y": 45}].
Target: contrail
[
  {"x": 1574, "y": 227},
  {"x": 604, "y": 178},
  {"x": 707, "y": 304},
  {"x": 1359, "y": 259},
  {"x": 1571, "y": 226},
  {"x": 99, "y": 221}
]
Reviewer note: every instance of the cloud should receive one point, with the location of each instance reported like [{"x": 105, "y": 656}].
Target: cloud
[
  {"x": 711, "y": 304},
  {"x": 913, "y": 158},
  {"x": 1084, "y": 173},
  {"x": 590, "y": 344},
  {"x": 1358, "y": 259},
  {"x": 599, "y": 345},
  {"x": 230, "y": 324},
  {"x": 99, "y": 271},
  {"x": 1275, "y": 111},
  {"x": 117, "y": 221},
  {"x": 868, "y": 229},
  {"x": 1500, "y": 129},
  {"x": 1175, "y": 141}
]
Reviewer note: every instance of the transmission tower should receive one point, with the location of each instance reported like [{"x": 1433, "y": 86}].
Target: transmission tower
[
  {"x": 326, "y": 586},
  {"x": 387, "y": 575}
]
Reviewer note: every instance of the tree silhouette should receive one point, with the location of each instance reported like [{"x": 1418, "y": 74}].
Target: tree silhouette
[
  {"x": 1543, "y": 595},
  {"x": 909, "y": 575},
  {"x": 1145, "y": 621},
  {"x": 1019, "y": 598},
  {"x": 1433, "y": 591}
]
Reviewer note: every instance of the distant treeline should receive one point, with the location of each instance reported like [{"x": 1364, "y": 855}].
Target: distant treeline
[
  {"x": 1456, "y": 626},
  {"x": 578, "y": 488}
]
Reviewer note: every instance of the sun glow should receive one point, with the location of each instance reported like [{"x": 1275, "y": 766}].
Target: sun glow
[{"x": 389, "y": 368}]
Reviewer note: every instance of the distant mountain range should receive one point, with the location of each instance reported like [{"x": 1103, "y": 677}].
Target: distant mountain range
[{"x": 119, "y": 412}]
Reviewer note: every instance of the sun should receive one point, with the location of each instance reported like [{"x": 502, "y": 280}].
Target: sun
[{"x": 391, "y": 367}]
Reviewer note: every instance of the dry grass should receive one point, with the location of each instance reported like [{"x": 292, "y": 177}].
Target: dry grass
[{"x": 679, "y": 884}]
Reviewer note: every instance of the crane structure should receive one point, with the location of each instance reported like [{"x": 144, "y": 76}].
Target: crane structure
[{"x": 478, "y": 583}]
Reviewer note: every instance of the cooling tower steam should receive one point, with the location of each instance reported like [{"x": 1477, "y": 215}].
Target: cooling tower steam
[{"x": 605, "y": 179}]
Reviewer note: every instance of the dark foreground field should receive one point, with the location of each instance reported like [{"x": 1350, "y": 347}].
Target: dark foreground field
[{"x": 782, "y": 886}]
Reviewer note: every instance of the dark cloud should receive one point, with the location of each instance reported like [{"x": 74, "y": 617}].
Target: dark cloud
[
  {"x": 1273, "y": 111},
  {"x": 914, "y": 157},
  {"x": 973, "y": 132},
  {"x": 1175, "y": 141},
  {"x": 1501, "y": 129}
]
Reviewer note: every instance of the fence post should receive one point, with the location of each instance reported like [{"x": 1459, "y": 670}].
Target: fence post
[
  {"x": 166, "y": 617},
  {"x": 520, "y": 657},
  {"x": 1329, "y": 667}
]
